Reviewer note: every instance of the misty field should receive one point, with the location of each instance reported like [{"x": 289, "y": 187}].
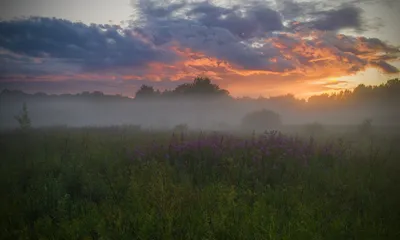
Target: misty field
[{"x": 126, "y": 183}]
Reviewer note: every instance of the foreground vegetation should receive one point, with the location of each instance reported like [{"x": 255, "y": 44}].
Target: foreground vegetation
[{"x": 116, "y": 183}]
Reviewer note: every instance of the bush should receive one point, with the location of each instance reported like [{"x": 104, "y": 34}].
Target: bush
[
  {"x": 262, "y": 120},
  {"x": 23, "y": 118}
]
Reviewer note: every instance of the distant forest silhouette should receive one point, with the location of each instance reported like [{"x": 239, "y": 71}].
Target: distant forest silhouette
[
  {"x": 386, "y": 93},
  {"x": 201, "y": 103}
]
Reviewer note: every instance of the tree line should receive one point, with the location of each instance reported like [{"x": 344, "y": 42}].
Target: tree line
[{"x": 202, "y": 87}]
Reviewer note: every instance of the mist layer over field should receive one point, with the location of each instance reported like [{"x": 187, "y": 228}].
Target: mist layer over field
[{"x": 163, "y": 111}]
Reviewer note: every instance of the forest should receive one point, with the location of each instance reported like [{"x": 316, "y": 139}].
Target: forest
[{"x": 201, "y": 104}]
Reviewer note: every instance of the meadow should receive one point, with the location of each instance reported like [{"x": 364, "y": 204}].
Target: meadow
[{"x": 127, "y": 183}]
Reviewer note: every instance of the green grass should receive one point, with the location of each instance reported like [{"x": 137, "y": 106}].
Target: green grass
[{"x": 91, "y": 184}]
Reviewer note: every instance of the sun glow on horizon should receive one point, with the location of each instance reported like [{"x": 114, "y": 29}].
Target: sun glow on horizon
[{"x": 247, "y": 49}]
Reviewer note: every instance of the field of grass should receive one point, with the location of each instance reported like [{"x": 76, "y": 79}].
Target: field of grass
[{"x": 121, "y": 183}]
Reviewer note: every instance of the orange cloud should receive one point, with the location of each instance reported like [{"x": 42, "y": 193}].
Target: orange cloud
[
  {"x": 317, "y": 57},
  {"x": 194, "y": 63},
  {"x": 313, "y": 57}
]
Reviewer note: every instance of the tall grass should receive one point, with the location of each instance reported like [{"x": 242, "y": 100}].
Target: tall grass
[{"x": 114, "y": 183}]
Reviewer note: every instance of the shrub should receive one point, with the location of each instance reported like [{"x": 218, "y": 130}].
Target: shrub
[
  {"x": 23, "y": 118},
  {"x": 262, "y": 120}
]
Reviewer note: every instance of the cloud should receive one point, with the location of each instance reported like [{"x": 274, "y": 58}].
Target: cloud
[
  {"x": 338, "y": 19},
  {"x": 297, "y": 11},
  {"x": 253, "y": 21},
  {"x": 243, "y": 21},
  {"x": 150, "y": 8},
  {"x": 324, "y": 54},
  {"x": 252, "y": 43},
  {"x": 94, "y": 46},
  {"x": 219, "y": 43},
  {"x": 226, "y": 33},
  {"x": 385, "y": 67},
  {"x": 329, "y": 15},
  {"x": 324, "y": 17}
]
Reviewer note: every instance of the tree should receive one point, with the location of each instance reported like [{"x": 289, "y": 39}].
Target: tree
[
  {"x": 146, "y": 91},
  {"x": 182, "y": 89},
  {"x": 98, "y": 94},
  {"x": 201, "y": 86},
  {"x": 262, "y": 120},
  {"x": 23, "y": 118},
  {"x": 322, "y": 100}
]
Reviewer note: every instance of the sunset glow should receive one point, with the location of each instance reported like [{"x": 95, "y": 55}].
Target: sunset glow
[{"x": 249, "y": 51}]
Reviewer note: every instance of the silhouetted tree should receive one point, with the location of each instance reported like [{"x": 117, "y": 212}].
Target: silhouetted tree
[
  {"x": 182, "y": 89},
  {"x": 201, "y": 86},
  {"x": 98, "y": 94},
  {"x": 387, "y": 93},
  {"x": 322, "y": 100},
  {"x": 146, "y": 91}
]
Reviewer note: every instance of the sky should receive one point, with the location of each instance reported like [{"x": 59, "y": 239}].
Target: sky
[{"x": 250, "y": 48}]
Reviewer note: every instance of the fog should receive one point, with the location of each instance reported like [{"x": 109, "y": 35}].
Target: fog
[{"x": 197, "y": 113}]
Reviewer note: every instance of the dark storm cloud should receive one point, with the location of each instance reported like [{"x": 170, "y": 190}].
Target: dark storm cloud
[
  {"x": 94, "y": 46},
  {"x": 252, "y": 20},
  {"x": 291, "y": 9},
  {"x": 9, "y": 67},
  {"x": 20, "y": 64},
  {"x": 377, "y": 44},
  {"x": 324, "y": 16},
  {"x": 222, "y": 32},
  {"x": 256, "y": 20},
  {"x": 338, "y": 19},
  {"x": 149, "y": 8},
  {"x": 217, "y": 42}
]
